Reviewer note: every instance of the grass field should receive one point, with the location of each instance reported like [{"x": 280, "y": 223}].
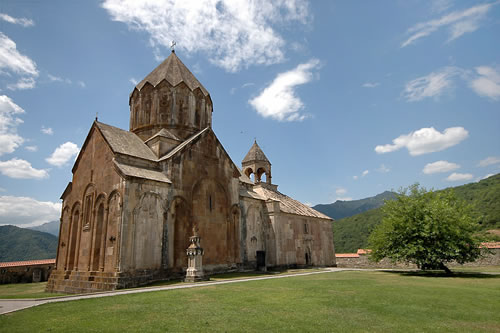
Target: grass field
[
  {"x": 37, "y": 290},
  {"x": 329, "y": 302},
  {"x": 24, "y": 290}
]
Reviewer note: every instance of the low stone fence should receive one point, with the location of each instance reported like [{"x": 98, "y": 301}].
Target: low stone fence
[
  {"x": 26, "y": 271},
  {"x": 360, "y": 259}
]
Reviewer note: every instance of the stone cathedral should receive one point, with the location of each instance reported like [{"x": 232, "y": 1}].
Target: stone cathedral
[{"x": 129, "y": 211}]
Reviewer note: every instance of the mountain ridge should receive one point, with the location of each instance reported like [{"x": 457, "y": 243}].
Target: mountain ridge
[
  {"x": 351, "y": 233},
  {"x": 345, "y": 208},
  {"x": 18, "y": 244},
  {"x": 49, "y": 227}
]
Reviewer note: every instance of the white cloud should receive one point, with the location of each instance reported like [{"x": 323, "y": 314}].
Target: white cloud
[
  {"x": 81, "y": 84},
  {"x": 439, "y": 6},
  {"x": 355, "y": 177},
  {"x": 54, "y": 78},
  {"x": 439, "y": 166},
  {"x": 21, "y": 21},
  {"x": 11, "y": 61},
  {"x": 431, "y": 85},
  {"x": 370, "y": 84},
  {"x": 47, "y": 130},
  {"x": 31, "y": 148},
  {"x": 21, "y": 169},
  {"x": 27, "y": 212},
  {"x": 383, "y": 169},
  {"x": 278, "y": 100},
  {"x": 63, "y": 154},
  {"x": 454, "y": 177},
  {"x": 340, "y": 191},
  {"x": 489, "y": 161},
  {"x": 133, "y": 81},
  {"x": 457, "y": 22},
  {"x": 234, "y": 34},
  {"x": 22, "y": 84},
  {"x": 365, "y": 173},
  {"x": 425, "y": 140},
  {"x": 245, "y": 85},
  {"x": 487, "y": 83},
  {"x": 9, "y": 139}
]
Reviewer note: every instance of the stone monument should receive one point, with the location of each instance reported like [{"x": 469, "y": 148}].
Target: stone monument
[{"x": 194, "y": 253}]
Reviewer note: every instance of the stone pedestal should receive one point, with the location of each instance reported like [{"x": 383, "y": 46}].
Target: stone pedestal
[{"x": 194, "y": 253}]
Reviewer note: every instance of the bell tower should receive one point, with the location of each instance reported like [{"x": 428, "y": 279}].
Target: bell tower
[
  {"x": 170, "y": 98},
  {"x": 256, "y": 163}
]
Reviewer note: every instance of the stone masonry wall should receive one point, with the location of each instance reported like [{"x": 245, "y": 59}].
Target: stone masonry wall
[{"x": 362, "y": 261}]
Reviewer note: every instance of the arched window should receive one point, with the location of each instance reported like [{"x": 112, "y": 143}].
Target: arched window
[{"x": 98, "y": 239}]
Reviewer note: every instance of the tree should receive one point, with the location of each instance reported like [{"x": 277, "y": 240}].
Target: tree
[{"x": 429, "y": 229}]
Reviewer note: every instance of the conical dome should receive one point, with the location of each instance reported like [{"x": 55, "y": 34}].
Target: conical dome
[
  {"x": 174, "y": 72},
  {"x": 255, "y": 154},
  {"x": 256, "y": 162},
  {"x": 170, "y": 97}
]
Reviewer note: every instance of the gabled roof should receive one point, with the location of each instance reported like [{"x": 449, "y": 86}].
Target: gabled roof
[
  {"x": 289, "y": 205},
  {"x": 165, "y": 134},
  {"x": 255, "y": 154},
  {"x": 138, "y": 172},
  {"x": 125, "y": 142},
  {"x": 184, "y": 144},
  {"x": 174, "y": 72}
]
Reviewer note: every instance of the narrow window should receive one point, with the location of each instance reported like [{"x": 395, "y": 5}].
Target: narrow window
[{"x": 88, "y": 208}]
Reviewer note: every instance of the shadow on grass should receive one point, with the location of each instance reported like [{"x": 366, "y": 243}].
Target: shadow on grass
[
  {"x": 232, "y": 276},
  {"x": 442, "y": 274}
]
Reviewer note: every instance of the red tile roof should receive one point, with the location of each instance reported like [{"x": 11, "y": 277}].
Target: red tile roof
[
  {"x": 364, "y": 251},
  {"x": 346, "y": 255},
  {"x": 491, "y": 245},
  {"x": 28, "y": 263}
]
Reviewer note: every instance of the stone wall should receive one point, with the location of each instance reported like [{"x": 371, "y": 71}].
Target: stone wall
[
  {"x": 491, "y": 257},
  {"x": 301, "y": 240}
]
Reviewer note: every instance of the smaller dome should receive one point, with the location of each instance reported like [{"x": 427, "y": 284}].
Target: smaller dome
[{"x": 255, "y": 154}]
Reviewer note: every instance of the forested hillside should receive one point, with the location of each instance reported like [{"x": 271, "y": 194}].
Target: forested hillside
[
  {"x": 18, "y": 244},
  {"x": 351, "y": 233},
  {"x": 340, "y": 208}
]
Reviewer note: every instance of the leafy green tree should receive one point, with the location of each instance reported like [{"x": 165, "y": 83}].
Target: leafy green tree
[{"x": 426, "y": 228}]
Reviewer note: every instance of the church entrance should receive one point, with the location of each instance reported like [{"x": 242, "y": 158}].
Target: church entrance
[
  {"x": 308, "y": 257},
  {"x": 261, "y": 260}
]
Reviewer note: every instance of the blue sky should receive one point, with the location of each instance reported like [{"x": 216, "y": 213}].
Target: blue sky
[{"x": 347, "y": 99}]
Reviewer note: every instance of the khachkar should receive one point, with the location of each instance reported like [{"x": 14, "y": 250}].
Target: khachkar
[{"x": 194, "y": 253}]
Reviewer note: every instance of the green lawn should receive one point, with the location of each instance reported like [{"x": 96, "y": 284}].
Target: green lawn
[
  {"x": 333, "y": 302},
  {"x": 37, "y": 290},
  {"x": 24, "y": 290}
]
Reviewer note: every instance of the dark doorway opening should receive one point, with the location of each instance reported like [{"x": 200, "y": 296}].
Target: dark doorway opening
[{"x": 261, "y": 260}]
